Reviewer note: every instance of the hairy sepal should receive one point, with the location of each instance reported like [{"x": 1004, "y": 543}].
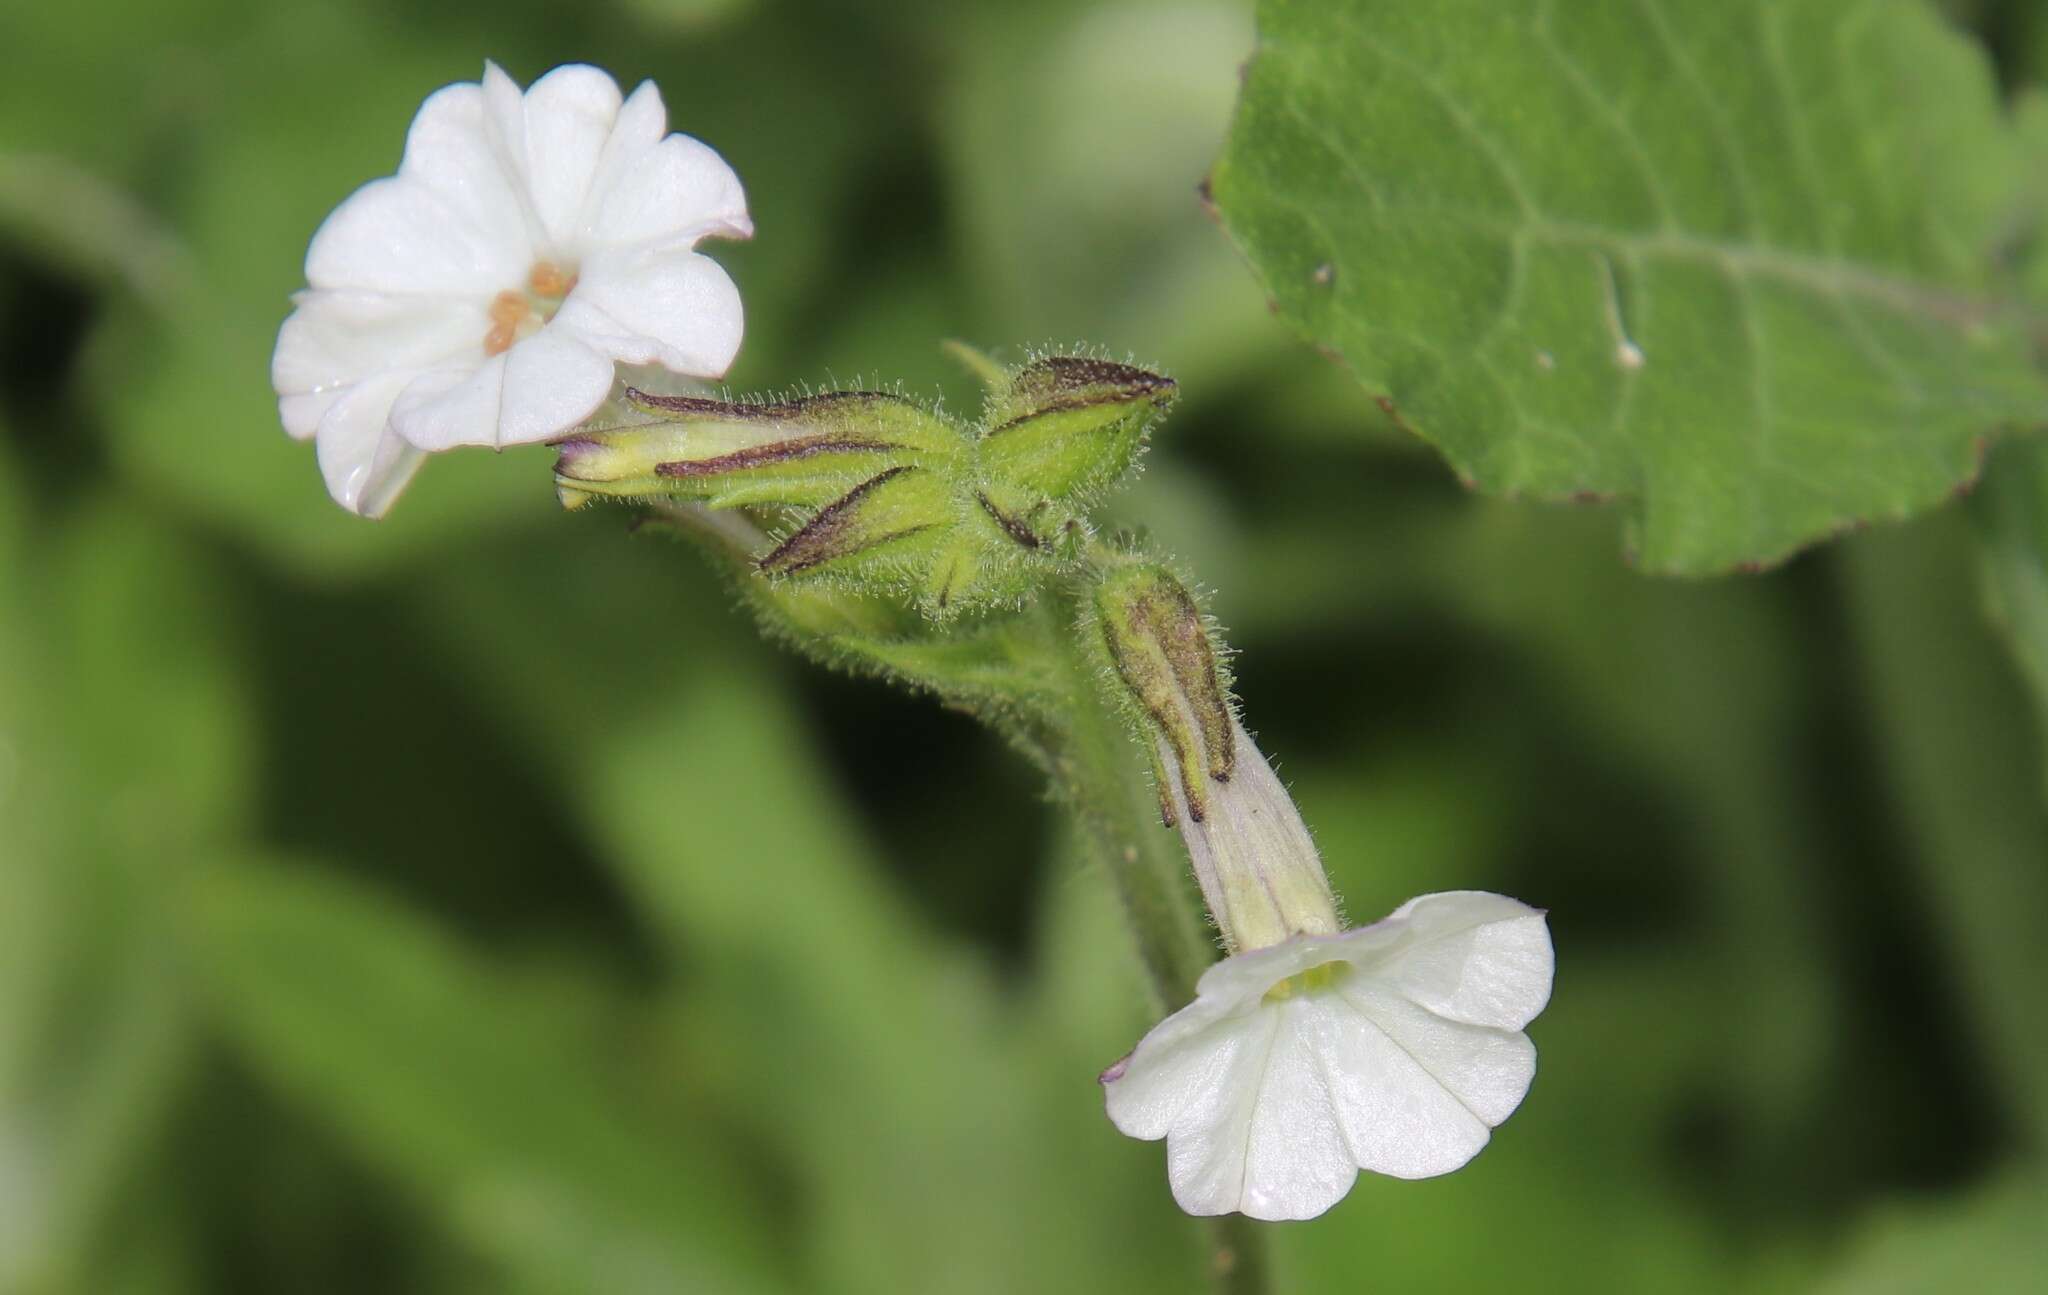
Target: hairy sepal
[{"x": 887, "y": 496}]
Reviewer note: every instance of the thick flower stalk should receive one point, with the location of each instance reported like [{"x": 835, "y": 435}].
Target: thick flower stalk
[
  {"x": 483, "y": 294},
  {"x": 1311, "y": 1051}
]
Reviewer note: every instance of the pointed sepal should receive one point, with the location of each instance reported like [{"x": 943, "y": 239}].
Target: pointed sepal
[{"x": 1069, "y": 426}]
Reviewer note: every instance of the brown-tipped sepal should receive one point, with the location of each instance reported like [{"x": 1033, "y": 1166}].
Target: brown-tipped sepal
[
  {"x": 886, "y": 526},
  {"x": 1159, "y": 646},
  {"x": 1068, "y": 426},
  {"x": 890, "y": 496},
  {"x": 802, "y": 453},
  {"x": 1250, "y": 852}
]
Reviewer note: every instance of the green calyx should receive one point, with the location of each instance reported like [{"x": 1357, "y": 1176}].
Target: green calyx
[
  {"x": 1172, "y": 685},
  {"x": 871, "y": 490},
  {"x": 858, "y": 526}
]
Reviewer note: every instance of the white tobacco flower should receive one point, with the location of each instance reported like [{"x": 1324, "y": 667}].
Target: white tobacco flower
[
  {"x": 1395, "y": 1047},
  {"x": 1311, "y": 1052},
  {"x": 483, "y": 294}
]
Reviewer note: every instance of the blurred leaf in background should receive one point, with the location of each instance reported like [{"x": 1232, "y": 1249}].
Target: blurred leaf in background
[
  {"x": 2012, "y": 516},
  {"x": 130, "y": 766},
  {"x": 341, "y": 997}
]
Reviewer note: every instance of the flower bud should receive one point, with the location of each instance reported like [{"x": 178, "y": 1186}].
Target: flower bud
[
  {"x": 1068, "y": 426},
  {"x": 900, "y": 499},
  {"x": 1160, "y": 647},
  {"x": 1258, "y": 869},
  {"x": 873, "y": 471},
  {"x": 805, "y": 453},
  {"x": 891, "y": 521}
]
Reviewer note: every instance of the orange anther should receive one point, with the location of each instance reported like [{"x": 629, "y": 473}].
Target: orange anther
[
  {"x": 508, "y": 311},
  {"x": 547, "y": 280}
]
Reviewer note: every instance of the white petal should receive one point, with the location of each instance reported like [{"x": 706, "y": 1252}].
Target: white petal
[
  {"x": 396, "y": 235},
  {"x": 1206, "y": 1144},
  {"x": 1298, "y": 1162},
  {"x": 301, "y": 414},
  {"x": 390, "y": 473},
  {"x": 505, "y": 121},
  {"x": 1471, "y": 956},
  {"x": 366, "y": 465},
  {"x": 332, "y": 339},
  {"x": 670, "y": 307},
  {"x": 553, "y": 139},
  {"x": 1401, "y": 1062},
  {"x": 450, "y": 150},
  {"x": 641, "y": 122},
  {"x": 1417, "y": 1096},
  {"x": 1487, "y": 1069},
  {"x": 541, "y": 388},
  {"x": 1147, "y": 1092},
  {"x": 440, "y": 411},
  {"x": 553, "y": 381},
  {"x": 678, "y": 191},
  {"x": 1246, "y": 1113}
]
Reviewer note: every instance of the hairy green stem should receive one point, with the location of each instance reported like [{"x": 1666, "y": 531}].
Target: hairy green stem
[
  {"x": 1034, "y": 681},
  {"x": 1237, "y": 1256},
  {"x": 1101, "y": 774}
]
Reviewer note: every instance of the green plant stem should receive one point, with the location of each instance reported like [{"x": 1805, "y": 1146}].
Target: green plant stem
[
  {"x": 1048, "y": 700},
  {"x": 1238, "y": 1255},
  {"x": 1099, "y": 772}
]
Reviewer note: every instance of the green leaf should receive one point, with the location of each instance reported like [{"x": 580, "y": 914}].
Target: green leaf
[
  {"x": 442, "y": 1073},
  {"x": 1728, "y": 262},
  {"x": 2027, "y": 241}
]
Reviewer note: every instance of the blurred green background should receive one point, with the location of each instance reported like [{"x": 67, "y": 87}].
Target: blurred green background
[{"x": 470, "y": 902}]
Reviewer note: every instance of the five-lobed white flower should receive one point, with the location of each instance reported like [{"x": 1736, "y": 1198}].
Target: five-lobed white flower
[
  {"x": 1395, "y": 1047},
  {"x": 483, "y": 294},
  {"x": 1312, "y": 1051}
]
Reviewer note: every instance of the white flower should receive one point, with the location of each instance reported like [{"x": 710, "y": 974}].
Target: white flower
[
  {"x": 482, "y": 295},
  {"x": 1312, "y": 1051},
  {"x": 1396, "y": 1047}
]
